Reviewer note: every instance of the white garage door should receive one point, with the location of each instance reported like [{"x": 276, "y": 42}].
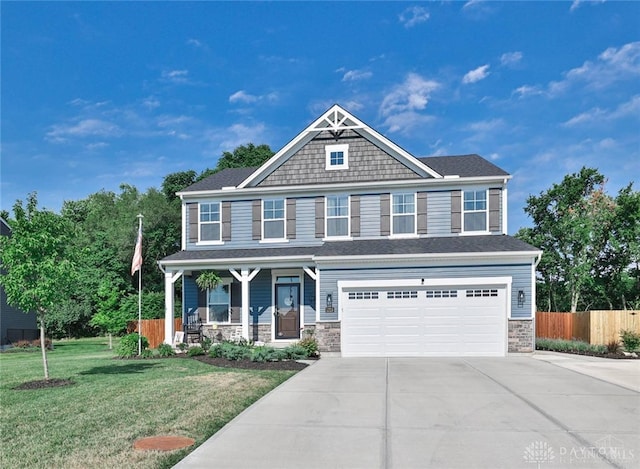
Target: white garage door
[{"x": 415, "y": 322}]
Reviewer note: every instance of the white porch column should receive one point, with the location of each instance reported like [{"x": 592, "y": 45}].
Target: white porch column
[
  {"x": 170, "y": 279},
  {"x": 244, "y": 277}
]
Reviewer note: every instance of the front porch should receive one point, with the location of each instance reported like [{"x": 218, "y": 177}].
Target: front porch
[{"x": 275, "y": 305}]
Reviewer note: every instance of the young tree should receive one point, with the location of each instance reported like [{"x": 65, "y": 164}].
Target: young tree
[
  {"x": 109, "y": 318},
  {"x": 38, "y": 262}
]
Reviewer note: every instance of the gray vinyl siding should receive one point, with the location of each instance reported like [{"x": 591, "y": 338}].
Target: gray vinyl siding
[
  {"x": 369, "y": 216},
  {"x": 520, "y": 274},
  {"x": 439, "y": 213},
  {"x": 305, "y": 221}
]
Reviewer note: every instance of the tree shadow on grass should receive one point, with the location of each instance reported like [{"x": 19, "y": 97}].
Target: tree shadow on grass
[{"x": 117, "y": 369}]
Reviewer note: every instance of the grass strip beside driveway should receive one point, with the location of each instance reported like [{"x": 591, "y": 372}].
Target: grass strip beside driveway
[{"x": 94, "y": 422}]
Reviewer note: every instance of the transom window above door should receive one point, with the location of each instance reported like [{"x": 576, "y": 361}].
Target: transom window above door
[
  {"x": 403, "y": 212},
  {"x": 210, "y": 221},
  {"x": 337, "y": 156},
  {"x": 474, "y": 210},
  {"x": 273, "y": 216},
  {"x": 337, "y": 215}
]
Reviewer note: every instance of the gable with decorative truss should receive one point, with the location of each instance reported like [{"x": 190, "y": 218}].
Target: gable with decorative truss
[{"x": 337, "y": 148}]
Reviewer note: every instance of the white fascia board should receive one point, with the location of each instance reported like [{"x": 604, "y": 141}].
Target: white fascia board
[
  {"x": 426, "y": 282},
  {"x": 352, "y": 187},
  {"x": 419, "y": 258},
  {"x": 265, "y": 262}
]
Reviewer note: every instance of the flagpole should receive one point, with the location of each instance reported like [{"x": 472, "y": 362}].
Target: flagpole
[{"x": 140, "y": 217}]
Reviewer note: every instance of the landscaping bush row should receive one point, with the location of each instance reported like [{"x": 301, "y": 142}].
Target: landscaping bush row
[
  {"x": 242, "y": 350},
  {"x": 572, "y": 346}
]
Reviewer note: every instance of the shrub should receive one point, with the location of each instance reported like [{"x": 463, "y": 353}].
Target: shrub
[
  {"x": 261, "y": 354},
  {"x": 183, "y": 346},
  {"x": 195, "y": 351},
  {"x": 166, "y": 350},
  {"x": 206, "y": 344},
  {"x": 613, "y": 346},
  {"x": 570, "y": 346},
  {"x": 231, "y": 351},
  {"x": 128, "y": 346},
  {"x": 296, "y": 352},
  {"x": 630, "y": 340},
  {"x": 310, "y": 344}
]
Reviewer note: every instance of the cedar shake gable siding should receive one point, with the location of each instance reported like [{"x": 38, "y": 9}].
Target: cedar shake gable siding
[{"x": 366, "y": 162}]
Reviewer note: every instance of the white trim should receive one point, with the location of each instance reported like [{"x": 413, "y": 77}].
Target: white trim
[
  {"x": 341, "y": 148},
  {"x": 184, "y": 226},
  {"x": 353, "y": 187},
  {"x": 504, "y": 208}
]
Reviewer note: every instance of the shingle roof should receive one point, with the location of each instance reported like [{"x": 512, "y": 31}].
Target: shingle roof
[
  {"x": 229, "y": 177},
  {"x": 368, "y": 247},
  {"x": 463, "y": 166}
]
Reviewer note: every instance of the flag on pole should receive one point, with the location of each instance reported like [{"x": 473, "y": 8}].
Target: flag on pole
[{"x": 136, "y": 263}]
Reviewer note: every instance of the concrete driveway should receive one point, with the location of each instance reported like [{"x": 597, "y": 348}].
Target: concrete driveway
[{"x": 432, "y": 413}]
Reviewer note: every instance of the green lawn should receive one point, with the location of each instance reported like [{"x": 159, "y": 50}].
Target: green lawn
[{"x": 94, "y": 422}]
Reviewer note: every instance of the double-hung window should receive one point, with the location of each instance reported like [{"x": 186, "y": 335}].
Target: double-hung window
[
  {"x": 474, "y": 210},
  {"x": 337, "y": 215},
  {"x": 210, "y": 221},
  {"x": 219, "y": 303},
  {"x": 403, "y": 213},
  {"x": 273, "y": 219}
]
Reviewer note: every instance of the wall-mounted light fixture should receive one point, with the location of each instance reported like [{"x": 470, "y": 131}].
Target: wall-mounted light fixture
[
  {"x": 520, "y": 298},
  {"x": 329, "y": 300}
]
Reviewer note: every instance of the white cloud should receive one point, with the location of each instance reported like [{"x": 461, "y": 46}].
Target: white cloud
[
  {"x": 527, "y": 90},
  {"x": 411, "y": 95},
  {"x": 404, "y": 122},
  {"x": 242, "y": 97},
  {"x": 629, "y": 109},
  {"x": 151, "y": 102},
  {"x": 179, "y": 77},
  {"x": 510, "y": 58},
  {"x": 611, "y": 66},
  {"x": 355, "y": 75},
  {"x": 241, "y": 134},
  {"x": 61, "y": 133},
  {"x": 195, "y": 43},
  {"x": 476, "y": 74},
  {"x": 576, "y": 3},
  {"x": 413, "y": 15}
]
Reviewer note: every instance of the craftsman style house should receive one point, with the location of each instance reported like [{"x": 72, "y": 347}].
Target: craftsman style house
[{"x": 344, "y": 235}]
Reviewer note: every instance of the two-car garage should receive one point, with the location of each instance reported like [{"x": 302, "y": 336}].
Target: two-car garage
[{"x": 411, "y": 319}]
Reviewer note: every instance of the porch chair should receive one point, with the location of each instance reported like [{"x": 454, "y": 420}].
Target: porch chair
[{"x": 192, "y": 328}]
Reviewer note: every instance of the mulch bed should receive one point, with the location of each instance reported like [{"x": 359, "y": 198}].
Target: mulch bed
[
  {"x": 613, "y": 356},
  {"x": 288, "y": 365},
  {"x": 163, "y": 443},
  {"x": 44, "y": 383}
]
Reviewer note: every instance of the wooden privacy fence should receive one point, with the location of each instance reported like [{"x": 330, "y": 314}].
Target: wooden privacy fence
[
  {"x": 594, "y": 327},
  {"x": 153, "y": 329}
]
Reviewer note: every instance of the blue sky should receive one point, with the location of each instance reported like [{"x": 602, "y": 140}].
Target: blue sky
[{"x": 96, "y": 94}]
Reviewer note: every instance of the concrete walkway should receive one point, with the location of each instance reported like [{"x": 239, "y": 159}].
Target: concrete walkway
[{"x": 433, "y": 412}]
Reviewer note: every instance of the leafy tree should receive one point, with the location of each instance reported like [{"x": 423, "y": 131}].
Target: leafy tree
[
  {"x": 39, "y": 262},
  {"x": 244, "y": 156},
  {"x": 571, "y": 225},
  {"x": 109, "y": 318},
  {"x": 175, "y": 182}
]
